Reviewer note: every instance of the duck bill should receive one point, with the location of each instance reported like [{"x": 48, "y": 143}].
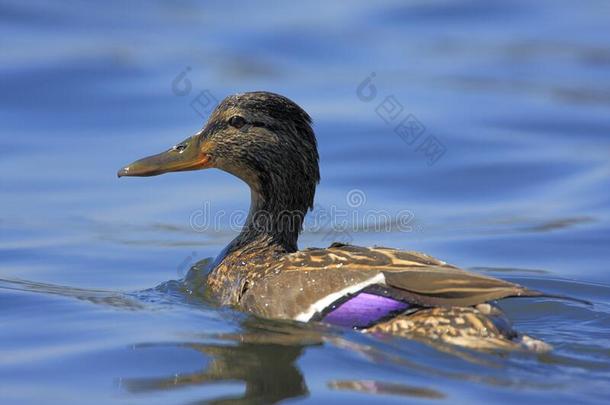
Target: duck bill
[{"x": 182, "y": 157}]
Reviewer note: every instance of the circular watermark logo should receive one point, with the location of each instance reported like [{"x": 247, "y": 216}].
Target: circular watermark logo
[{"x": 355, "y": 198}]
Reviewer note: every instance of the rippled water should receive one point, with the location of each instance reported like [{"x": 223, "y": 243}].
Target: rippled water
[{"x": 517, "y": 96}]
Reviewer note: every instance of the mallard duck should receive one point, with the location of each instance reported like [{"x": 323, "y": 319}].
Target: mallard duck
[{"x": 267, "y": 141}]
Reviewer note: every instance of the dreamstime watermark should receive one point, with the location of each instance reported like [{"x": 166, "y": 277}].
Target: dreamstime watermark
[
  {"x": 203, "y": 103},
  {"x": 336, "y": 222},
  {"x": 409, "y": 128},
  {"x": 332, "y": 233}
]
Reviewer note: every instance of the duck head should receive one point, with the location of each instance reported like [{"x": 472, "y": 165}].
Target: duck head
[{"x": 266, "y": 140}]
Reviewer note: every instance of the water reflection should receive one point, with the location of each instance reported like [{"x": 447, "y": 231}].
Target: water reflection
[
  {"x": 378, "y": 387},
  {"x": 268, "y": 371},
  {"x": 262, "y": 357}
]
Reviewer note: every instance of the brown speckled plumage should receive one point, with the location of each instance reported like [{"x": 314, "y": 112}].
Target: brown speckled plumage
[
  {"x": 267, "y": 141},
  {"x": 414, "y": 277}
]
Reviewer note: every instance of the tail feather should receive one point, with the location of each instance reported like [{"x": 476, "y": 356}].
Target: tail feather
[{"x": 458, "y": 289}]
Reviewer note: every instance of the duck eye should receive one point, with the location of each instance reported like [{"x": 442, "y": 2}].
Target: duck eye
[{"x": 237, "y": 122}]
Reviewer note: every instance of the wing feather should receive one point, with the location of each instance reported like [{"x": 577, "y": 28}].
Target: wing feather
[{"x": 301, "y": 279}]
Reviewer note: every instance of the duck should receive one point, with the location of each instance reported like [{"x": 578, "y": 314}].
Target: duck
[{"x": 268, "y": 141}]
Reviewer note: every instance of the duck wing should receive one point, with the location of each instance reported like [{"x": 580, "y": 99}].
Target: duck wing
[{"x": 305, "y": 283}]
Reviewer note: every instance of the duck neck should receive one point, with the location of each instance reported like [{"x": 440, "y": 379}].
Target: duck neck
[{"x": 274, "y": 221}]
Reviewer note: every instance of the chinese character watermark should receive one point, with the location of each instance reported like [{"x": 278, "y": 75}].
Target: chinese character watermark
[
  {"x": 203, "y": 103},
  {"x": 409, "y": 129}
]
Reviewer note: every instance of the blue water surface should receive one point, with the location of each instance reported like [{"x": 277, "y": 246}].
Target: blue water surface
[{"x": 502, "y": 166}]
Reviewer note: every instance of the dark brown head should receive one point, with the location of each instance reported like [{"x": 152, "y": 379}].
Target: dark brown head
[{"x": 264, "y": 139}]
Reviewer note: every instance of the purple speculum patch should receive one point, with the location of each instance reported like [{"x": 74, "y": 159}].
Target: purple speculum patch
[{"x": 363, "y": 310}]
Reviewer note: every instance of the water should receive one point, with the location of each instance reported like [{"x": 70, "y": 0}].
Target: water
[{"x": 516, "y": 94}]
